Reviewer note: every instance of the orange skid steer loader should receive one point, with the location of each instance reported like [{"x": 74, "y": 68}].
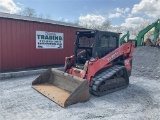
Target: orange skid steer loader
[{"x": 99, "y": 66}]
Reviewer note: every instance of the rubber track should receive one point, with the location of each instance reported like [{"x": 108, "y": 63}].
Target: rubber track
[{"x": 104, "y": 76}]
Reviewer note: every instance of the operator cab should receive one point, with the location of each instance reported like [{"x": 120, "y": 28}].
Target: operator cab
[{"x": 92, "y": 44}]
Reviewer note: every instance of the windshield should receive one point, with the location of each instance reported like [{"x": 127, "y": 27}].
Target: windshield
[{"x": 86, "y": 41}]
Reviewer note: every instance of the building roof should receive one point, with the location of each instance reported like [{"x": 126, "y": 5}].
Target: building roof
[{"x": 34, "y": 19}]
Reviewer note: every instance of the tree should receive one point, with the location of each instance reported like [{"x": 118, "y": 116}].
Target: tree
[
  {"x": 41, "y": 15},
  {"x": 93, "y": 24},
  {"x": 105, "y": 25},
  {"x": 75, "y": 23},
  {"x": 118, "y": 29},
  {"x": 48, "y": 16},
  {"x": 134, "y": 31},
  {"x": 29, "y": 12}
]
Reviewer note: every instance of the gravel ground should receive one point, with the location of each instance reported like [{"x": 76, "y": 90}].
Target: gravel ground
[
  {"x": 146, "y": 62},
  {"x": 140, "y": 101}
]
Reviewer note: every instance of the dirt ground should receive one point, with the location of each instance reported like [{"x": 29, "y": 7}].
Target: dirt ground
[{"x": 139, "y": 101}]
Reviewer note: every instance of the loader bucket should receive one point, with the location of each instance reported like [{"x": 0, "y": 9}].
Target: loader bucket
[{"x": 61, "y": 87}]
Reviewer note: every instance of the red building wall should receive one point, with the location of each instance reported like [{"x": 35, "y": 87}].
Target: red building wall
[{"x": 18, "y": 44}]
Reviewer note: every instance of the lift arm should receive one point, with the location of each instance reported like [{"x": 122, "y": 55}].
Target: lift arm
[
  {"x": 123, "y": 37},
  {"x": 156, "y": 31},
  {"x": 140, "y": 37},
  {"x": 125, "y": 50}
]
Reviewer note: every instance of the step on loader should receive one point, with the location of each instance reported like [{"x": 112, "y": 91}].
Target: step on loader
[{"x": 99, "y": 66}]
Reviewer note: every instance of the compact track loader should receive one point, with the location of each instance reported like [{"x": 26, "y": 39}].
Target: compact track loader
[{"x": 99, "y": 66}]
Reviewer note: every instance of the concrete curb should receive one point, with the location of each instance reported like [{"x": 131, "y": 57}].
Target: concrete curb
[{"x": 20, "y": 73}]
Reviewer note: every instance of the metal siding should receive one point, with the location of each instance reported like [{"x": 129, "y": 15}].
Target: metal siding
[
  {"x": 13, "y": 38},
  {"x": 0, "y": 46},
  {"x": 22, "y": 45},
  {"x": 4, "y": 45},
  {"x": 33, "y": 55},
  {"x": 18, "y": 44},
  {"x": 9, "y": 46}
]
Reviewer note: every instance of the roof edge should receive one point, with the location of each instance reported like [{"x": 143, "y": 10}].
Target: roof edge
[{"x": 34, "y": 19}]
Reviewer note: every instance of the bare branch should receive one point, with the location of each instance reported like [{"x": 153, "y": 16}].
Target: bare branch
[{"x": 29, "y": 12}]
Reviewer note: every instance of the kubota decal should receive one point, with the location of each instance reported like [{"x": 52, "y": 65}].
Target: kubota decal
[{"x": 113, "y": 56}]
